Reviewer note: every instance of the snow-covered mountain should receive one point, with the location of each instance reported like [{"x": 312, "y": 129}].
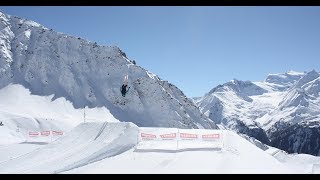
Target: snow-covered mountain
[
  {"x": 283, "y": 110},
  {"x": 49, "y": 63},
  {"x": 232, "y": 105}
]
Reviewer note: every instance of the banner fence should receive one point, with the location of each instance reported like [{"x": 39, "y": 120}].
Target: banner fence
[
  {"x": 43, "y": 136},
  {"x": 178, "y": 139}
]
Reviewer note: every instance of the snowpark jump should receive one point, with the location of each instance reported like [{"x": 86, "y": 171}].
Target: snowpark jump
[{"x": 126, "y": 148}]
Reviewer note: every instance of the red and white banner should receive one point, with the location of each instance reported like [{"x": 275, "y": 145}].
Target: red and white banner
[
  {"x": 157, "y": 134},
  {"x": 210, "y": 137},
  {"x": 157, "y": 138},
  {"x": 188, "y": 136},
  {"x": 45, "y": 133},
  {"x": 43, "y": 136},
  {"x": 57, "y": 133},
  {"x": 170, "y": 136},
  {"x": 33, "y": 134},
  {"x": 179, "y": 139},
  {"x": 179, "y": 134},
  {"x": 146, "y": 136}
]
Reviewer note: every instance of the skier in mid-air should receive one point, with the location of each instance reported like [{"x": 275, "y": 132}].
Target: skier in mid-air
[{"x": 124, "y": 89}]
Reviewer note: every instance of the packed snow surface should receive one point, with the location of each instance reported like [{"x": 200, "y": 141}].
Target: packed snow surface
[{"x": 106, "y": 147}]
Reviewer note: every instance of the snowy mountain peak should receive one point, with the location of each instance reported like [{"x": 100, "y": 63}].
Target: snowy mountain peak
[
  {"x": 308, "y": 77},
  {"x": 313, "y": 87},
  {"x": 242, "y": 88},
  {"x": 291, "y": 72},
  {"x": 87, "y": 74},
  {"x": 296, "y": 97},
  {"x": 3, "y": 15},
  {"x": 285, "y": 79}
]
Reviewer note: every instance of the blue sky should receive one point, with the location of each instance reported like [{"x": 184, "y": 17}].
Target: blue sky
[{"x": 196, "y": 48}]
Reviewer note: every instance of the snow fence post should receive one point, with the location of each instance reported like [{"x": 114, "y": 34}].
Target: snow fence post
[
  {"x": 84, "y": 114},
  {"x": 138, "y": 136},
  {"x": 178, "y": 135},
  {"x": 51, "y": 133},
  {"x": 222, "y": 139}
]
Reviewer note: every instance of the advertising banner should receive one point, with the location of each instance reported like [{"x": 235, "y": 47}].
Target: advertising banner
[{"x": 179, "y": 139}]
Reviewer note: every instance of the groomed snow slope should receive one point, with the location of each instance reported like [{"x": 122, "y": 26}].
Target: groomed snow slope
[
  {"x": 110, "y": 148},
  {"x": 11, "y": 151},
  {"x": 299, "y": 163},
  {"x": 22, "y": 112},
  {"x": 87, "y": 143}
]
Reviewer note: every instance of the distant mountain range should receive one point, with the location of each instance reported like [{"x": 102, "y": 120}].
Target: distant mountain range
[{"x": 283, "y": 111}]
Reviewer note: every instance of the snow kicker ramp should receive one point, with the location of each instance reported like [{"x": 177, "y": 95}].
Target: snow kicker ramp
[{"x": 87, "y": 143}]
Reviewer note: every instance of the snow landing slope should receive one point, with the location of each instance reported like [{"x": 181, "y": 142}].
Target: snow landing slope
[
  {"x": 87, "y": 74},
  {"x": 110, "y": 148},
  {"x": 282, "y": 111},
  {"x": 87, "y": 143},
  {"x": 22, "y": 112}
]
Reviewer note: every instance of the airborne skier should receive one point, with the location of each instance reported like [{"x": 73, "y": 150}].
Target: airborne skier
[{"x": 124, "y": 89}]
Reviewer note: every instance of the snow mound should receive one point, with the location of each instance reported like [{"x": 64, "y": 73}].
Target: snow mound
[
  {"x": 87, "y": 143},
  {"x": 300, "y": 163},
  {"x": 22, "y": 112}
]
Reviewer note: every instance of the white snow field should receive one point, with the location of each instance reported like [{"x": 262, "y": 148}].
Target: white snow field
[
  {"x": 122, "y": 147},
  {"x": 300, "y": 163},
  {"x": 23, "y": 113},
  {"x": 12, "y": 151},
  {"x": 87, "y": 143},
  {"x": 106, "y": 147}
]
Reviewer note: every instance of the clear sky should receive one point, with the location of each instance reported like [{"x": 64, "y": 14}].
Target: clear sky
[{"x": 196, "y": 48}]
